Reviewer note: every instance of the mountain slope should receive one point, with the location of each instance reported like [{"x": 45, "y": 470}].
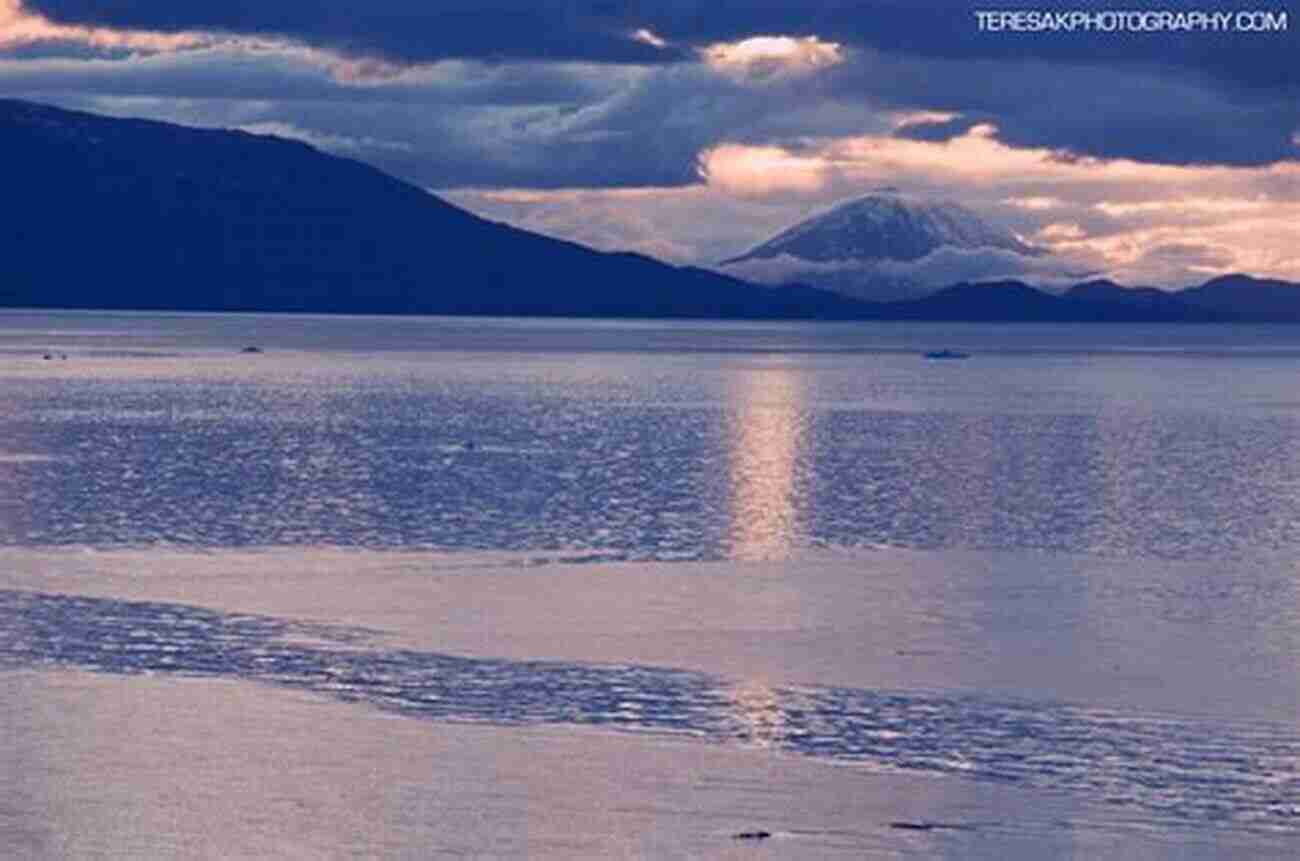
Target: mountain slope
[
  {"x": 1254, "y": 298},
  {"x": 1152, "y": 300},
  {"x": 886, "y": 246},
  {"x": 1015, "y": 301},
  {"x": 885, "y": 225},
  {"x": 113, "y": 213}
]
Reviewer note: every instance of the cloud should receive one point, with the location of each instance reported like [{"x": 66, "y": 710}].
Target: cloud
[
  {"x": 1117, "y": 209},
  {"x": 686, "y": 225},
  {"x": 598, "y": 30},
  {"x": 1143, "y": 112},
  {"x": 249, "y": 68},
  {"x": 681, "y": 77},
  {"x": 1060, "y": 231},
  {"x": 20, "y": 28},
  {"x": 641, "y": 34},
  {"x": 978, "y": 157},
  {"x": 1210, "y": 206},
  {"x": 760, "y": 58},
  {"x": 761, "y": 171},
  {"x": 405, "y": 31},
  {"x": 1039, "y": 203},
  {"x": 1136, "y": 222},
  {"x": 890, "y": 280},
  {"x": 936, "y": 126},
  {"x": 325, "y": 141}
]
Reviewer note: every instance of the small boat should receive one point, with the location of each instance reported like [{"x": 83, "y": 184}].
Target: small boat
[{"x": 946, "y": 354}]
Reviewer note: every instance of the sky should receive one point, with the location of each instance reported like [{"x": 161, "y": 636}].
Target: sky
[{"x": 1151, "y": 148}]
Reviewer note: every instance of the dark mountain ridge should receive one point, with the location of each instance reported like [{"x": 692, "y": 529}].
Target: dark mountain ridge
[
  {"x": 111, "y": 213},
  {"x": 1085, "y": 303},
  {"x": 104, "y": 213},
  {"x": 1256, "y": 298}
]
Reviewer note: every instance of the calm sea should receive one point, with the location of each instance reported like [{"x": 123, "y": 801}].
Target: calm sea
[{"x": 1066, "y": 562}]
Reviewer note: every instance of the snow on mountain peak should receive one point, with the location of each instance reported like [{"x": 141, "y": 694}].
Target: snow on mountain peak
[
  {"x": 886, "y": 224},
  {"x": 886, "y": 245}
]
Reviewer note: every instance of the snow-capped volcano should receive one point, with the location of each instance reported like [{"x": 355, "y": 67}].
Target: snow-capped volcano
[{"x": 887, "y": 245}]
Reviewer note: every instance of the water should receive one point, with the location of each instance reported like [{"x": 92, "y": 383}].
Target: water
[
  {"x": 647, "y": 442},
  {"x": 1065, "y": 564},
  {"x": 1191, "y": 769}
]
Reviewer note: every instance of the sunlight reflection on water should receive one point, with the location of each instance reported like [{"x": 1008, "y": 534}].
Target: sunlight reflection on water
[{"x": 767, "y": 437}]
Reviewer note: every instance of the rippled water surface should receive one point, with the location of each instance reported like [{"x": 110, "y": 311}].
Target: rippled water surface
[
  {"x": 1200, "y": 770},
  {"x": 644, "y": 441},
  {"x": 1109, "y": 519}
]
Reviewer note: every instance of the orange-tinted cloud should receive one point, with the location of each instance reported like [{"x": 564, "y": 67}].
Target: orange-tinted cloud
[
  {"x": 20, "y": 27},
  {"x": 1103, "y": 214},
  {"x": 1139, "y": 223},
  {"x": 760, "y": 171},
  {"x": 762, "y": 57}
]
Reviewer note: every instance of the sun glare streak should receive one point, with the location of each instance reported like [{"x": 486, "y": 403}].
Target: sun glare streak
[
  {"x": 758, "y": 710},
  {"x": 765, "y": 450}
]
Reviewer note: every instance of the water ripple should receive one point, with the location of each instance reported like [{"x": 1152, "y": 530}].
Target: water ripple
[{"x": 1194, "y": 770}]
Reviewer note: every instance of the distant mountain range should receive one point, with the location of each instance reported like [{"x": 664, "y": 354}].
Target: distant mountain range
[
  {"x": 103, "y": 213},
  {"x": 1225, "y": 299}
]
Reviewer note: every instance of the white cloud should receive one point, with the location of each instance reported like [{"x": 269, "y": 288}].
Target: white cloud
[
  {"x": 1211, "y": 206},
  {"x": 888, "y": 280},
  {"x": 1059, "y": 231},
  {"x": 762, "y": 171},
  {"x": 903, "y": 119},
  {"x": 345, "y": 144},
  {"x": 765, "y": 57},
  {"x": 1035, "y": 203},
  {"x": 649, "y": 37}
]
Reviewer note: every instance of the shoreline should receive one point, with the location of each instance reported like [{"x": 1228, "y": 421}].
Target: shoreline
[{"x": 177, "y": 767}]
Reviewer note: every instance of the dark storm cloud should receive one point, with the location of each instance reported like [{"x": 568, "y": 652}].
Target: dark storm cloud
[
  {"x": 648, "y": 130},
  {"x": 405, "y": 30},
  {"x": 523, "y": 118},
  {"x": 598, "y": 30},
  {"x": 947, "y": 29},
  {"x": 1144, "y": 114},
  {"x": 232, "y": 73},
  {"x": 464, "y": 124}
]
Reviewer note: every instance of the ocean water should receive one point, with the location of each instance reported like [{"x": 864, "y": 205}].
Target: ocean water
[{"x": 1065, "y": 565}]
